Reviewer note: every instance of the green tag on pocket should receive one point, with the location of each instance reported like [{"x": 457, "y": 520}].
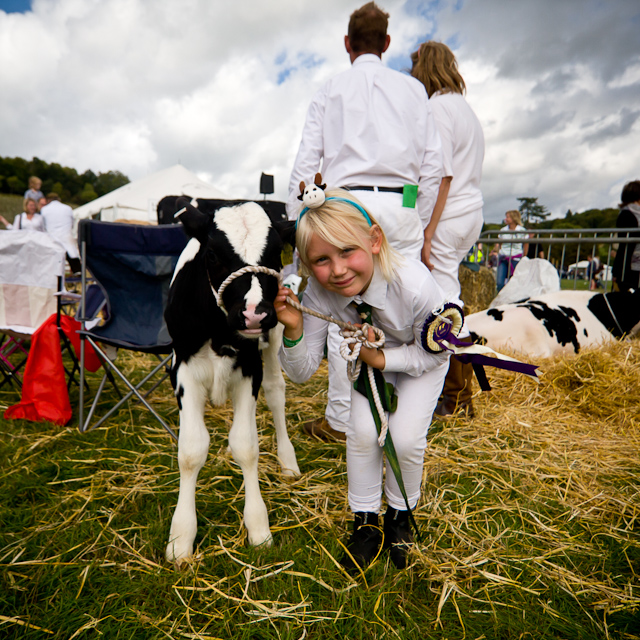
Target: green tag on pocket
[{"x": 409, "y": 195}]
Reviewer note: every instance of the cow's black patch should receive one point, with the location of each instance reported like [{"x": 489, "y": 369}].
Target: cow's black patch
[
  {"x": 618, "y": 312},
  {"x": 496, "y": 314},
  {"x": 179, "y": 394},
  {"x": 559, "y": 323},
  {"x": 476, "y": 339}
]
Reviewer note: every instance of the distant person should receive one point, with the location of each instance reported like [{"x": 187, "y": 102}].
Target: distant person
[
  {"x": 593, "y": 269},
  {"x": 626, "y": 264},
  {"x": 456, "y": 221},
  {"x": 509, "y": 254},
  {"x": 33, "y": 192},
  {"x": 29, "y": 220},
  {"x": 58, "y": 223},
  {"x": 371, "y": 130}
]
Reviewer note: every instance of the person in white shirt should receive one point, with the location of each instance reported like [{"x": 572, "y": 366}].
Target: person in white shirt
[
  {"x": 58, "y": 223},
  {"x": 29, "y": 220},
  {"x": 371, "y": 130},
  {"x": 510, "y": 253},
  {"x": 457, "y": 217},
  {"x": 346, "y": 254}
]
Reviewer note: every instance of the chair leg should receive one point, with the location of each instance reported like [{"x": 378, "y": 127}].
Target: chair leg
[{"x": 133, "y": 390}]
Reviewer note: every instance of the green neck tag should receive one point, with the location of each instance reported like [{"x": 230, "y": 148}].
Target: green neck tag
[{"x": 409, "y": 195}]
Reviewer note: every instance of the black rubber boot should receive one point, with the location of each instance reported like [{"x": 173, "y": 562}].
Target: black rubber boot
[
  {"x": 364, "y": 543},
  {"x": 397, "y": 536}
]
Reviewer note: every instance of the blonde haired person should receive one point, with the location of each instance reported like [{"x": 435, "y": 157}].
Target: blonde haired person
[
  {"x": 510, "y": 253},
  {"x": 456, "y": 221},
  {"x": 29, "y": 220},
  {"x": 350, "y": 262},
  {"x": 33, "y": 192}
]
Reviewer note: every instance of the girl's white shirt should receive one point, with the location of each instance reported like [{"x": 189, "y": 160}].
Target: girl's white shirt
[{"x": 399, "y": 308}]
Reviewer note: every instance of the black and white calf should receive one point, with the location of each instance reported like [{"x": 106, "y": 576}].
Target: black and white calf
[
  {"x": 560, "y": 322},
  {"x": 217, "y": 353}
]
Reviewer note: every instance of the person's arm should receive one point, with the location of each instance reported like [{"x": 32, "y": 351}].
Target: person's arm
[
  {"x": 309, "y": 335},
  {"x": 5, "y": 222},
  {"x": 430, "y": 229},
  {"x": 431, "y": 169},
  {"x": 310, "y": 153}
]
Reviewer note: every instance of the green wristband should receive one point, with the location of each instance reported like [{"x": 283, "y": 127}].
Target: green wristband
[{"x": 291, "y": 343}]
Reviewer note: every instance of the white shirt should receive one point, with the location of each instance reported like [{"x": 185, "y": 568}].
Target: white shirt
[
  {"x": 58, "y": 222},
  {"x": 515, "y": 248},
  {"x": 23, "y": 223},
  {"x": 462, "y": 152},
  {"x": 399, "y": 308},
  {"x": 372, "y": 126}
]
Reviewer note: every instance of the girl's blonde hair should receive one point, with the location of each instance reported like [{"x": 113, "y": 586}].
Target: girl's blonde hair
[
  {"x": 435, "y": 66},
  {"x": 514, "y": 214},
  {"x": 343, "y": 225}
]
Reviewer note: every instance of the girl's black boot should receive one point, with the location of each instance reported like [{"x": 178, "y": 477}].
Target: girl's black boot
[
  {"x": 364, "y": 543},
  {"x": 397, "y": 536}
]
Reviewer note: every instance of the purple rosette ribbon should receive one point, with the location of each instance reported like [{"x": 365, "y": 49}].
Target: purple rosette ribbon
[{"x": 440, "y": 332}]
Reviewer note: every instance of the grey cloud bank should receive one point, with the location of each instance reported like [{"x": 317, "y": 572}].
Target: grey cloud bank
[{"x": 138, "y": 85}]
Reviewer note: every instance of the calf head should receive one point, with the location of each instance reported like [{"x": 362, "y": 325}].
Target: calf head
[{"x": 237, "y": 237}]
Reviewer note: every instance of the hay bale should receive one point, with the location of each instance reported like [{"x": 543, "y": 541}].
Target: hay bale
[{"x": 478, "y": 288}]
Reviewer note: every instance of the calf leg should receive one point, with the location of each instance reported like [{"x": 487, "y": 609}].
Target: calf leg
[
  {"x": 243, "y": 442},
  {"x": 274, "y": 391},
  {"x": 193, "y": 446}
]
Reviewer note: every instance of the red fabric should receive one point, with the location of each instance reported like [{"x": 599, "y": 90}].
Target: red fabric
[
  {"x": 44, "y": 387},
  {"x": 70, "y": 327}
]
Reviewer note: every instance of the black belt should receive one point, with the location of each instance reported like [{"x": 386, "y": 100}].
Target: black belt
[{"x": 360, "y": 187}]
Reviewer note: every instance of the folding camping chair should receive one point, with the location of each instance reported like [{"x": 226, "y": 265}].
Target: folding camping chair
[
  {"x": 133, "y": 264},
  {"x": 30, "y": 264}
]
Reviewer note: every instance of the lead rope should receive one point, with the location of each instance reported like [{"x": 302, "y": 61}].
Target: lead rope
[{"x": 358, "y": 337}]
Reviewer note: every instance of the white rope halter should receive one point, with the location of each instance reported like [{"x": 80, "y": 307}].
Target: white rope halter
[
  {"x": 358, "y": 337},
  {"x": 236, "y": 274}
]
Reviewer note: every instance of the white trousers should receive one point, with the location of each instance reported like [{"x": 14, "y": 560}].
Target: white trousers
[
  {"x": 450, "y": 244},
  {"x": 408, "y": 426},
  {"x": 403, "y": 228}
]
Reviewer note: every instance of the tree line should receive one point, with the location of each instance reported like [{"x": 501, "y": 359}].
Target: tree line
[{"x": 71, "y": 186}]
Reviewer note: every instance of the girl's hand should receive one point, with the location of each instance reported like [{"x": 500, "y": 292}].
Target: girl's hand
[
  {"x": 291, "y": 318},
  {"x": 426, "y": 253},
  {"x": 373, "y": 357}
]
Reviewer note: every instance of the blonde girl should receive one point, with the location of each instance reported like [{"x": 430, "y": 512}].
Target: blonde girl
[{"x": 349, "y": 261}]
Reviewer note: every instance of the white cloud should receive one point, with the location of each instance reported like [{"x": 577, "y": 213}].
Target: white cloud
[{"x": 138, "y": 85}]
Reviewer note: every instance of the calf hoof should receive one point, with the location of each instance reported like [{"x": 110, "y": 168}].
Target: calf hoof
[
  {"x": 260, "y": 540},
  {"x": 179, "y": 553}
]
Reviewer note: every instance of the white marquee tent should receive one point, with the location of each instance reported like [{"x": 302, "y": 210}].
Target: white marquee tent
[{"x": 138, "y": 199}]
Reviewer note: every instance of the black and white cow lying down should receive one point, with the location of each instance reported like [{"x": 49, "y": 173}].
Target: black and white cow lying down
[
  {"x": 559, "y": 322},
  {"x": 217, "y": 354}
]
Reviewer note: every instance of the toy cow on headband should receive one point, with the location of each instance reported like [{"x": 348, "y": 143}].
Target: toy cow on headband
[{"x": 313, "y": 195}]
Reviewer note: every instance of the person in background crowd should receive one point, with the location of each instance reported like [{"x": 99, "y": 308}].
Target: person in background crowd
[
  {"x": 626, "y": 264},
  {"x": 509, "y": 254},
  {"x": 29, "y": 220},
  {"x": 593, "y": 269},
  {"x": 371, "y": 130},
  {"x": 457, "y": 219},
  {"x": 33, "y": 192},
  {"x": 58, "y": 222}
]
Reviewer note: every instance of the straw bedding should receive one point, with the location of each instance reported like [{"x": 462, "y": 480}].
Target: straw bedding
[{"x": 529, "y": 514}]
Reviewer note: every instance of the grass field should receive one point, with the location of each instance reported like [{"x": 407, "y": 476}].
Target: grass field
[
  {"x": 529, "y": 520},
  {"x": 10, "y": 206}
]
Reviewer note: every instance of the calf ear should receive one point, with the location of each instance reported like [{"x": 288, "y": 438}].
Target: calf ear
[
  {"x": 195, "y": 223},
  {"x": 287, "y": 231}
]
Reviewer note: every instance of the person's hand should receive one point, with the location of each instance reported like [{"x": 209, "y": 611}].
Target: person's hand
[
  {"x": 4, "y": 221},
  {"x": 291, "y": 318},
  {"x": 426, "y": 253},
  {"x": 373, "y": 357}
]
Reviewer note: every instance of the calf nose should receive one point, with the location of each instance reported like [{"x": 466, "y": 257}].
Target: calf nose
[{"x": 253, "y": 319}]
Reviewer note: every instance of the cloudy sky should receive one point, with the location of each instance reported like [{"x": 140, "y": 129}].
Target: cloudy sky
[{"x": 223, "y": 87}]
